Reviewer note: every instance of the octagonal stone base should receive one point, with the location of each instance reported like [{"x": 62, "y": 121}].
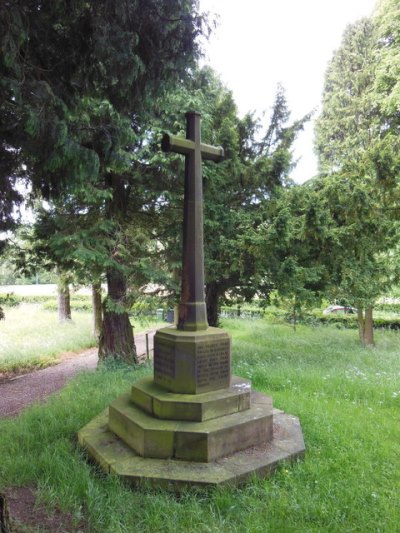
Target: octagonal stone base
[{"x": 116, "y": 457}]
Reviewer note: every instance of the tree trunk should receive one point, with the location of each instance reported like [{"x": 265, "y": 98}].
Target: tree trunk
[
  {"x": 97, "y": 310},
  {"x": 116, "y": 338},
  {"x": 212, "y": 303},
  {"x": 366, "y": 326},
  {"x": 64, "y": 301},
  {"x": 369, "y": 327},
  {"x": 294, "y": 315}
]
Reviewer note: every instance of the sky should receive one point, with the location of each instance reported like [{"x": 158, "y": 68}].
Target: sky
[{"x": 261, "y": 43}]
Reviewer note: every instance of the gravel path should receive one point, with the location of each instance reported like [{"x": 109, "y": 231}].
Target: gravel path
[{"x": 22, "y": 391}]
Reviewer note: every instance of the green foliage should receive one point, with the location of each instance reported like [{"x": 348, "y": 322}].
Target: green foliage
[
  {"x": 146, "y": 305},
  {"x": 388, "y": 307},
  {"x": 257, "y": 159},
  {"x": 78, "y": 301},
  {"x": 349, "y": 123},
  {"x": 288, "y": 247},
  {"x": 242, "y": 311},
  {"x": 77, "y": 85},
  {"x": 9, "y": 300},
  {"x": 76, "y": 305},
  {"x": 57, "y": 59},
  {"x": 357, "y": 129},
  {"x": 357, "y": 143},
  {"x": 350, "y": 321}
]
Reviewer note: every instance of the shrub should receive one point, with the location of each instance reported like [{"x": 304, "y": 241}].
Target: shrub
[{"x": 9, "y": 300}]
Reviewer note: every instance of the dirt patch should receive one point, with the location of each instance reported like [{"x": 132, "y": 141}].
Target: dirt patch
[{"x": 21, "y": 513}]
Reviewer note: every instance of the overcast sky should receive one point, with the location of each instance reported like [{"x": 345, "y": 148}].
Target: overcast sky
[{"x": 260, "y": 43}]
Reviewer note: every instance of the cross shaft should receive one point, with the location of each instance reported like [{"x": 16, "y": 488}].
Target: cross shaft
[{"x": 192, "y": 308}]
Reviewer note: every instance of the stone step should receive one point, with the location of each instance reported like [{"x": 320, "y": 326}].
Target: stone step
[
  {"x": 166, "y": 405},
  {"x": 191, "y": 441},
  {"x": 114, "y": 456}
]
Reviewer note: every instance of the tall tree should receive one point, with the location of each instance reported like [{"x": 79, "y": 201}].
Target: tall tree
[
  {"x": 254, "y": 165},
  {"x": 357, "y": 149},
  {"x": 77, "y": 80},
  {"x": 386, "y": 93},
  {"x": 290, "y": 247},
  {"x": 329, "y": 237},
  {"x": 55, "y": 56},
  {"x": 349, "y": 123}
]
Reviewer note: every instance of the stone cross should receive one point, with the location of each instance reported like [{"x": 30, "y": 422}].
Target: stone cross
[{"x": 192, "y": 308}]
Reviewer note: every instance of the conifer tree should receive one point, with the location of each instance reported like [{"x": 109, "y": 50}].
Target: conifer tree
[{"x": 77, "y": 79}]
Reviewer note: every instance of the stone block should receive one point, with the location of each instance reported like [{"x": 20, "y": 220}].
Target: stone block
[
  {"x": 192, "y": 362},
  {"x": 148, "y": 436},
  {"x": 216, "y": 438},
  {"x": 163, "y": 404}
]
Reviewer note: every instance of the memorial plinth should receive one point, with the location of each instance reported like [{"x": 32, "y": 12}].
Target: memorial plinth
[
  {"x": 192, "y": 423},
  {"x": 191, "y": 362}
]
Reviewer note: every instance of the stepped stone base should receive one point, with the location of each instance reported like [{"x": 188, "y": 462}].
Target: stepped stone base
[
  {"x": 116, "y": 457},
  {"x": 193, "y": 423},
  {"x": 192, "y": 441}
]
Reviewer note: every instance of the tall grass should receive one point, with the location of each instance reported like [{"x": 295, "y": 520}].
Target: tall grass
[
  {"x": 32, "y": 337},
  {"x": 348, "y": 401}
]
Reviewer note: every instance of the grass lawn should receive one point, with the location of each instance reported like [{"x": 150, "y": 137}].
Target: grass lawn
[
  {"x": 348, "y": 401},
  {"x": 32, "y": 338}
]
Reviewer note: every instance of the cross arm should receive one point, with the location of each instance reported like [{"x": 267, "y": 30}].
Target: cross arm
[
  {"x": 212, "y": 153},
  {"x": 179, "y": 145}
]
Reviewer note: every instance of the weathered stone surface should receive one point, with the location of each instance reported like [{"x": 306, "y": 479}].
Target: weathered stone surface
[
  {"x": 192, "y": 362},
  {"x": 114, "y": 456},
  {"x": 192, "y": 314},
  {"x": 192, "y": 441},
  {"x": 163, "y": 404},
  {"x": 103, "y": 446},
  {"x": 148, "y": 436}
]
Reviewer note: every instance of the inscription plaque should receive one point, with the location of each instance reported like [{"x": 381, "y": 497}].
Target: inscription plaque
[
  {"x": 212, "y": 363},
  {"x": 164, "y": 363}
]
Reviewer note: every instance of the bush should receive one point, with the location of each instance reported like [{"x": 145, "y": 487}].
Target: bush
[
  {"x": 388, "y": 308},
  {"x": 9, "y": 300},
  {"x": 77, "y": 304},
  {"x": 241, "y": 311},
  {"x": 350, "y": 321}
]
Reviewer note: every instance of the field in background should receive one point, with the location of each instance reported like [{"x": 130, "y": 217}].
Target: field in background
[
  {"x": 348, "y": 402},
  {"x": 38, "y": 290},
  {"x": 31, "y": 337}
]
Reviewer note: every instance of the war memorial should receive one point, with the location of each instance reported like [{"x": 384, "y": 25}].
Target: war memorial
[{"x": 192, "y": 423}]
